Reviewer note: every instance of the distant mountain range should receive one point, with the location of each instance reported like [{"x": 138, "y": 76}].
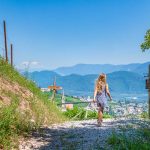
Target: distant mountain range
[
  {"x": 119, "y": 82},
  {"x": 80, "y": 79},
  {"x": 85, "y": 69}
]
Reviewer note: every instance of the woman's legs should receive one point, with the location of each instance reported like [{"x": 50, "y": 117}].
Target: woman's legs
[{"x": 100, "y": 114}]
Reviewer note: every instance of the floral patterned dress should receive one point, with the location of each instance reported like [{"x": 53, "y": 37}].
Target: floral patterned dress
[{"x": 101, "y": 98}]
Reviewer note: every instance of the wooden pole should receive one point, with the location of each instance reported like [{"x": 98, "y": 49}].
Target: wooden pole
[
  {"x": 149, "y": 91},
  {"x": 5, "y": 40},
  {"x": 11, "y": 48}
]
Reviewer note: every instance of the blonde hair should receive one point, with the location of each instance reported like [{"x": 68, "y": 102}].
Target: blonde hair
[{"x": 101, "y": 81}]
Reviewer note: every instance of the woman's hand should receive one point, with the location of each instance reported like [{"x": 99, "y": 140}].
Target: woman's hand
[
  {"x": 110, "y": 98},
  {"x": 94, "y": 100},
  {"x": 95, "y": 93}
]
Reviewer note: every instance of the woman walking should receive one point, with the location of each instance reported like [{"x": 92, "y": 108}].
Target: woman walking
[{"x": 100, "y": 96}]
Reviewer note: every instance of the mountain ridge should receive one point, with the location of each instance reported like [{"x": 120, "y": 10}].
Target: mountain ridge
[
  {"x": 84, "y": 69},
  {"x": 119, "y": 82}
]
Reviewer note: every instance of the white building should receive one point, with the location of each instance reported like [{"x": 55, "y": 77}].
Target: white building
[{"x": 45, "y": 89}]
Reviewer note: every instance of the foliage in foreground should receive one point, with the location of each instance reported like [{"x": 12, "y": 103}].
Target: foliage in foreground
[
  {"x": 144, "y": 115},
  {"x": 12, "y": 124},
  {"x": 139, "y": 141},
  {"x": 78, "y": 113},
  {"x": 146, "y": 44},
  {"x": 123, "y": 143},
  {"x": 13, "y": 121}
]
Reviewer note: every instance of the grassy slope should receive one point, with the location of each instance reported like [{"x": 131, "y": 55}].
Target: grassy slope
[{"x": 13, "y": 122}]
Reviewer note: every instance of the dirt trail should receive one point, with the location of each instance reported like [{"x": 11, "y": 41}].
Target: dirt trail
[{"x": 75, "y": 135}]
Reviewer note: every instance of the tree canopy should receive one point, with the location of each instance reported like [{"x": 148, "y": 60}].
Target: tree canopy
[{"x": 146, "y": 44}]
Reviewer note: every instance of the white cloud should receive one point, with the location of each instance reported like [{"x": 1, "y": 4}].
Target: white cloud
[
  {"x": 31, "y": 65},
  {"x": 35, "y": 63}
]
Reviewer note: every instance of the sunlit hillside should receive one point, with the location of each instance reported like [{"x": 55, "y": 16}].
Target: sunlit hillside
[{"x": 23, "y": 107}]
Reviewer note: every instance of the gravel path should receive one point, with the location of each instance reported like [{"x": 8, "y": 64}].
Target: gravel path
[{"x": 74, "y": 135}]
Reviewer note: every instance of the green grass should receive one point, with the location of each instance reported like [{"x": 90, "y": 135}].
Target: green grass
[
  {"x": 12, "y": 124},
  {"x": 139, "y": 141},
  {"x": 123, "y": 143},
  {"x": 13, "y": 121},
  {"x": 79, "y": 113},
  {"x": 144, "y": 115}
]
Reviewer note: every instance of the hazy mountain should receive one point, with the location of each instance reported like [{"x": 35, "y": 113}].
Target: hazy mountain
[
  {"x": 119, "y": 82},
  {"x": 142, "y": 68},
  {"x": 84, "y": 69},
  {"x": 126, "y": 82},
  {"x": 43, "y": 78}
]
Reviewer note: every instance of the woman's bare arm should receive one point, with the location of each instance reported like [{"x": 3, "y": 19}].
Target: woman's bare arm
[
  {"x": 108, "y": 93},
  {"x": 95, "y": 92}
]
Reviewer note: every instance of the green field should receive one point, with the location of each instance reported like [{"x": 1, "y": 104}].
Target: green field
[{"x": 58, "y": 99}]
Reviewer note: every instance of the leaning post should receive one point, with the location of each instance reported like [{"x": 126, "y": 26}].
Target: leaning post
[
  {"x": 148, "y": 88},
  {"x": 5, "y": 40},
  {"x": 149, "y": 91}
]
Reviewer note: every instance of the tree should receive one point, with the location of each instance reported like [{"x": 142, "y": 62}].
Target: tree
[{"x": 146, "y": 44}]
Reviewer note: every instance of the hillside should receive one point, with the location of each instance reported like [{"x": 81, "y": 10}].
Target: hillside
[
  {"x": 119, "y": 82},
  {"x": 22, "y": 107},
  {"x": 123, "y": 81},
  {"x": 142, "y": 69},
  {"x": 85, "y": 69}
]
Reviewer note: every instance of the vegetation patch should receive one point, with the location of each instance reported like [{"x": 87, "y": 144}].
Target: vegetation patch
[
  {"x": 125, "y": 141},
  {"x": 144, "y": 115},
  {"x": 79, "y": 113},
  {"x": 23, "y": 107}
]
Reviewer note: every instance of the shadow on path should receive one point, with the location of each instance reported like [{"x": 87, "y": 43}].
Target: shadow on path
[{"x": 82, "y": 134}]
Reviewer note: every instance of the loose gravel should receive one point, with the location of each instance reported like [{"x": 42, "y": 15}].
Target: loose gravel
[{"x": 84, "y": 135}]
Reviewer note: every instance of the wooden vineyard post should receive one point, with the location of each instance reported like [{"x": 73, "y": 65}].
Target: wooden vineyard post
[
  {"x": 149, "y": 92},
  {"x": 11, "y": 50},
  {"x": 5, "y": 40},
  {"x": 148, "y": 88}
]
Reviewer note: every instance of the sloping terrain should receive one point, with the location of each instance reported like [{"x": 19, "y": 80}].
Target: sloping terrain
[{"x": 23, "y": 107}]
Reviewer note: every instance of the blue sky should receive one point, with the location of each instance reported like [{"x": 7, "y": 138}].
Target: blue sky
[{"x": 67, "y": 32}]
